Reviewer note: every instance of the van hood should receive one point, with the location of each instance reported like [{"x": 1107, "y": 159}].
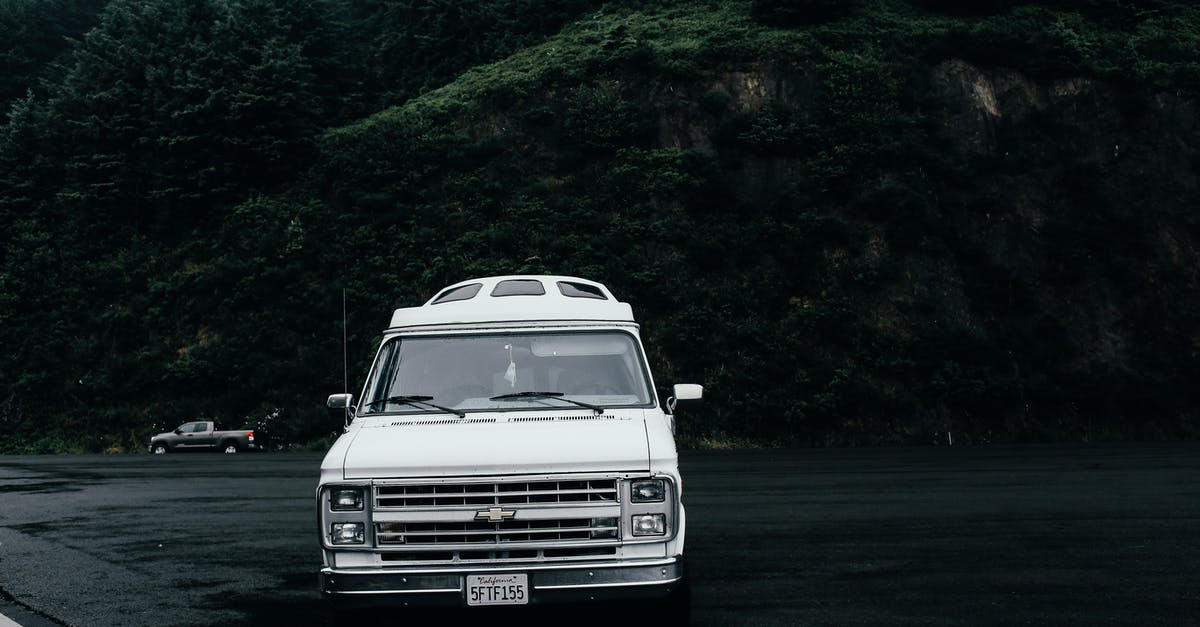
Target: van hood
[{"x": 483, "y": 444}]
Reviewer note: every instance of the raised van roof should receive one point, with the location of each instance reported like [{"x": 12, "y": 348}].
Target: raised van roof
[{"x": 517, "y": 298}]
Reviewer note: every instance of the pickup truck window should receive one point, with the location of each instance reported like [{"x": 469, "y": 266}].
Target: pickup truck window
[{"x": 467, "y": 372}]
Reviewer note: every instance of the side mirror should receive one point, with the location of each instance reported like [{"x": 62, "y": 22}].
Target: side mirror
[
  {"x": 341, "y": 407},
  {"x": 685, "y": 392},
  {"x": 689, "y": 391},
  {"x": 178, "y": 431}
]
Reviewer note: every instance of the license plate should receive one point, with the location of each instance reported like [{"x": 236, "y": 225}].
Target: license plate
[{"x": 498, "y": 589}]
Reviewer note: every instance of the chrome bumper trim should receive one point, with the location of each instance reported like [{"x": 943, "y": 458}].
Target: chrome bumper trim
[
  {"x": 547, "y": 583},
  {"x": 497, "y": 568},
  {"x": 586, "y": 586},
  {"x": 420, "y": 591}
]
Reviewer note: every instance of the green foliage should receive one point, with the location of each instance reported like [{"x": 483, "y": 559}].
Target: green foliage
[
  {"x": 200, "y": 102},
  {"x": 799, "y": 12},
  {"x": 1033, "y": 39},
  {"x": 413, "y": 46},
  {"x": 957, "y": 7},
  {"x": 35, "y": 35},
  {"x": 1166, "y": 50},
  {"x": 599, "y": 118},
  {"x": 808, "y": 217},
  {"x": 773, "y": 129},
  {"x": 1094, "y": 8}
]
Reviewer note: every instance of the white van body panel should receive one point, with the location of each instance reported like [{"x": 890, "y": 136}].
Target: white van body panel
[
  {"x": 578, "y": 441},
  {"x": 552, "y": 305}
]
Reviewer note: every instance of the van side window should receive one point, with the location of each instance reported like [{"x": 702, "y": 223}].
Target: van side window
[
  {"x": 580, "y": 290},
  {"x": 465, "y": 292}
]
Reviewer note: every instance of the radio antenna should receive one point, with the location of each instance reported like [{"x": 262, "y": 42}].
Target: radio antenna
[{"x": 345, "y": 359}]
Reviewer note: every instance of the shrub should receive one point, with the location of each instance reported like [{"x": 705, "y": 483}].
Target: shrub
[{"x": 799, "y": 12}]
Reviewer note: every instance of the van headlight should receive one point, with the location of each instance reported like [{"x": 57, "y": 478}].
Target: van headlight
[
  {"x": 348, "y": 533},
  {"x": 650, "y": 525},
  {"x": 346, "y": 499},
  {"x": 648, "y": 491}
]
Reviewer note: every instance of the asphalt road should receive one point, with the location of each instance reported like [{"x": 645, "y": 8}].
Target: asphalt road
[{"x": 1082, "y": 535}]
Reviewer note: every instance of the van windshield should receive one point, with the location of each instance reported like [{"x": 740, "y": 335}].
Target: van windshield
[{"x": 488, "y": 372}]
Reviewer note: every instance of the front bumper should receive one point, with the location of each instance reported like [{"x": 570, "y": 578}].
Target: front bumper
[{"x": 647, "y": 579}]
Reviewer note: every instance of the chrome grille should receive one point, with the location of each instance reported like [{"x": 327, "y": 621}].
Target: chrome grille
[
  {"x": 484, "y": 533},
  {"x": 442, "y": 555},
  {"x": 393, "y": 497}
]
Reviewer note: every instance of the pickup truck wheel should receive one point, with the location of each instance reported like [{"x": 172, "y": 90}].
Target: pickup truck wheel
[
  {"x": 229, "y": 448},
  {"x": 161, "y": 449}
]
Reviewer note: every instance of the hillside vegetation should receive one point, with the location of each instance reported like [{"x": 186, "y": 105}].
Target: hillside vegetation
[{"x": 856, "y": 223}]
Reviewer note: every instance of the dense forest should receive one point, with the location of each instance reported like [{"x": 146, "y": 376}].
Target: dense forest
[{"x": 856, "y": 222}]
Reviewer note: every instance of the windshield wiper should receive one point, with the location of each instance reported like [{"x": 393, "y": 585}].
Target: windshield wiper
[
  {"x": 555, "y": 395},
  {"x": 417, "y": 400}
]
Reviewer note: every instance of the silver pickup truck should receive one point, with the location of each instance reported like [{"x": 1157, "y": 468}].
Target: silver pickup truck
[{"x": 207, "y": 436}]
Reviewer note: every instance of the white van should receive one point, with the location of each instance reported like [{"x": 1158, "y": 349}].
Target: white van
[{"x": 508, "y": 448}]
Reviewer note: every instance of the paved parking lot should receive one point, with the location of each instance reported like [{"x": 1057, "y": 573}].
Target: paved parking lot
[{"x": 917, "y": 536}]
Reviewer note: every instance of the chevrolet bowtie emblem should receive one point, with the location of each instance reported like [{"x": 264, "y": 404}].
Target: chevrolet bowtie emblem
[{"x": 495, "y": 514}]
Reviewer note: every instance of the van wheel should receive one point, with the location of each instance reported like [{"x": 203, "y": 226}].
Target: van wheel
[
  {"x": 229, "y": 448},
  {"x": 161, "y": 449}
]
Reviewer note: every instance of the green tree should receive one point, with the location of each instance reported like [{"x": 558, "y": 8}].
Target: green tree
[
  {"x": 412, "y": 46},
  {"x": 34, "y": 34},
  {"x": 172, "y": 110}
]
